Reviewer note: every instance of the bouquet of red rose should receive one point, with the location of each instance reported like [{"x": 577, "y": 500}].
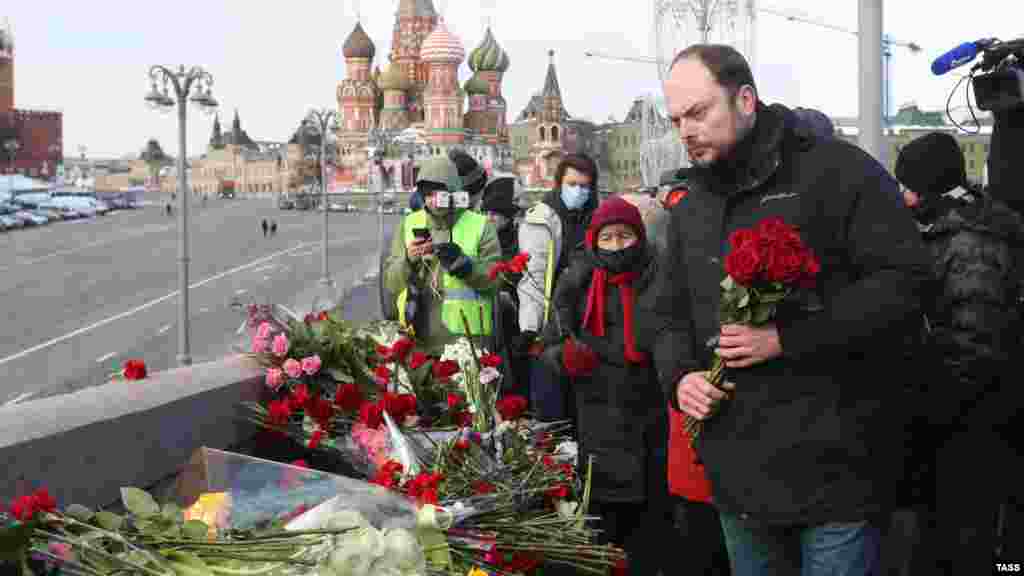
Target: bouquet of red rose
[{"x": 766, "y": 265}]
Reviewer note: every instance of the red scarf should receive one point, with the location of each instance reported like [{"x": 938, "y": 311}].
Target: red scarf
[{"x": 593, "y": 318}]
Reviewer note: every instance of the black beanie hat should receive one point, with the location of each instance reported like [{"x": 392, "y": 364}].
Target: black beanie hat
[
  {"x": 471, "y": 172},
  {"x": 931, "y": 165},
  {"x": 499, "y": 196}
]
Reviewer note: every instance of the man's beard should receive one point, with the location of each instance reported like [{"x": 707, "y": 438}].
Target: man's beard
[{"x": 743, "y": 129}]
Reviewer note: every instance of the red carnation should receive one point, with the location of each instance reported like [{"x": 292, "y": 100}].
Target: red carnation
[
  {"x": 401, "y": 348},
  {"x": 399, "y": 406},
  {"x": 490, "y": 360},
  {"x": 278, "y": 412},
  {"x": 385, "y": 353},
  {"x": 560, "y": 492},
  {"x": 484, "y": 487},
  {"x": 382, "y": 375},
  {"x": 444, "y": 369},
  {"x": 418, "y": 359},
  {"x": 496, "y": 269},
  {"x": 23, "y": 509},
  {"x": 43, "y": 502},
  {"x": 462, "y": 418},
  {"x": 454, "y": 400},
  {"x": 511, "y": 407},
  {"x": 322, "y": 316},
  {"x": 518, "y": 263},
  {"x": 349, "y": 398},
  {"x": 299, "y": 396},
  {"x": 320, "y": 410},
  {"x": 371, "y": 415},
  {"x": 134, "y": 370}
]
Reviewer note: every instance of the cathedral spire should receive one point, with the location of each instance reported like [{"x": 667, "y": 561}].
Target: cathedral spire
[
  {"x": 236, "y": 124},
  {"x": 551, "y": 89},
  {"x": 217, "y": 138}
]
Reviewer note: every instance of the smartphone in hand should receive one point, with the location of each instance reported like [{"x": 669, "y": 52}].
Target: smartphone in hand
[{"x": 421, "y": 234}]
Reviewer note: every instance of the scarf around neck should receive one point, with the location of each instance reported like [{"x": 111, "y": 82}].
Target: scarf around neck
[{"x": 594, "y": 316}]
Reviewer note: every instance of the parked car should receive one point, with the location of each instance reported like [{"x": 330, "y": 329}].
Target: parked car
[
  {"x": 52, "y": 213},
  {"x": 9, "y": 222},
  {"x": 38, "y": 218}
]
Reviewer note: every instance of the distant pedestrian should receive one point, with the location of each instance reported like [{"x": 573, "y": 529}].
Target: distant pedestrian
[
  {"x": 273, "y": 228},
  {"x": 264, "y": 226}
]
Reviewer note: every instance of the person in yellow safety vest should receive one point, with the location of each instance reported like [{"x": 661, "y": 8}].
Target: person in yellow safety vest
[{"x": 440, "y": 256}]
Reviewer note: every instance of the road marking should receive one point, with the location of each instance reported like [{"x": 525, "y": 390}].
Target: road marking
[
  {"x": 164, "y": 329},
  {"x": 304, "y": 254},
  {"x": 67, "y": 252},
  {"x": 19, "y": 398},
  {"x": 267, "y": 267},
  {"x": 240, "y": 292},
  {"x": 105, "y": 357},
  {"x": 147, "y": 305}
]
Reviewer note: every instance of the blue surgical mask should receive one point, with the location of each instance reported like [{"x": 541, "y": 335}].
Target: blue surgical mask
[{"x": 575, "y": 196}]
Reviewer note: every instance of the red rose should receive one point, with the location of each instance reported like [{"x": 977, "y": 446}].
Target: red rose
[
  {"x": 418, "y": 359},
  {"x": 454, "y": 400},
  {"x": 496, "y": 269},
  {"x": 484, "y": 487},
  {"x": 43, "y": 502},
  {"x": 320, "y": 410},
  {"x": 134, "y": 370},
  {"x": 744, "y": 264},
  {"x": 490, "y": 360},
  {"x": 279, "y": 412},
  {"x": 783, "y": 264},
  {"x": 401, "y": 348},
  {"x": 348, "y": 397},
  {"x": 299, "y": 396},
  {"x": 444, "y": 369},
  {"x": 511, "y": 407},
  {"x": 742, "y": 237},
  {"x": 315, "y": 439},
  {"x": 518, "y": 263},
  {"x": 370, "y": 415},
  {"x": 382, "y": 375},
  {"x": 23, "y": 509}
]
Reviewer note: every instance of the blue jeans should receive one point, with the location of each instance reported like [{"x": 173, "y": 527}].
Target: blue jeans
[{"x": 833, "y": 549}]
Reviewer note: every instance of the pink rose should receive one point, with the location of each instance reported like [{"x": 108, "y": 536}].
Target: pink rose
[
  {"x": 275, "y": 378},
  {"x": 292, "y": 367},
  {"x": 263, "y": 331},
  {"x": 280, "y": 345},
  {"x": 311, "y": 364},
  {"x": 260, "y": 345}
]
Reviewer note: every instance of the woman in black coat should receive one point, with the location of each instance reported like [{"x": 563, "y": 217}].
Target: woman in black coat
[{"x": 620, "y": 410}]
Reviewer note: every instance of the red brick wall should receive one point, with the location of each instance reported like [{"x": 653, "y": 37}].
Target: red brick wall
[{"x": 36, "y": 131}]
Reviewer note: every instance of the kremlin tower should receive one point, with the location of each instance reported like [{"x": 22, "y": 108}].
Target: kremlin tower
[
  {"x": 6, "y": 69},
  {"x": 443, "y": 52}
]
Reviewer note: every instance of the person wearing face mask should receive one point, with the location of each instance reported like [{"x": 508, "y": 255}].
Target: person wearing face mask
[
  {"x": 439, "y": 260},
  {"x": 594, "y": 340},
  {"x": 473, "y": 175},
  {"x": 551, "y": 231}
]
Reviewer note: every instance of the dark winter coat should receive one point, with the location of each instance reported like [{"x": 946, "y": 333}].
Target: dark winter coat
[
  {"x": 621, "y": 410},
  {"x": 977, "y": 250},
  {"x": 801, "y": 442}
]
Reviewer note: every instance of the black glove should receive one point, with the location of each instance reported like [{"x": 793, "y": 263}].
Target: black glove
[{"x": 451, "y": 258}]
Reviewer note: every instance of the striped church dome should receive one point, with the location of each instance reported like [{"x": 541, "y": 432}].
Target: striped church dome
[{"x": 442, "y": 46}]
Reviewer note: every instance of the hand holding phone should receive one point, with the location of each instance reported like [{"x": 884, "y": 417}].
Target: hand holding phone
[{"x": 420, "y": 245}]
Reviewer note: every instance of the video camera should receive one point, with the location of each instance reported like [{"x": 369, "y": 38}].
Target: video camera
[{"x": 1001, "y": 84}]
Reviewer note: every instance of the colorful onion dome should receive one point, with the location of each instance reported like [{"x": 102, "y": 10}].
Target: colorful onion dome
[
  {"x": 393, "y": 79},
  {"x": 477, "y": 85},
  {"x": 358, "y": 44},
  {"x": 489, "y": 56},
  {"x": 442, "y": 46}
]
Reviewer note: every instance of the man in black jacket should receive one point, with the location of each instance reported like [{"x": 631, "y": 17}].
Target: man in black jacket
[
  {"x": 795, "y": 454},
  {"x": 976, "y": 244}
]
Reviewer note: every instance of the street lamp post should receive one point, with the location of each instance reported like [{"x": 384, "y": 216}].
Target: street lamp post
[
  {"x": 324, "y": 122},
  {"x": 12, "y": 146},
  {"x": 193, "y": 84}
]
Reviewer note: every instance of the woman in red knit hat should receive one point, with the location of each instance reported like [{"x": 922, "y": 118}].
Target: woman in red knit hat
[{"x": 593, "y": 339}]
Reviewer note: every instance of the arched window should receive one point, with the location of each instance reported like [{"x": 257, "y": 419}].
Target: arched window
[
  {"x": 541, "y": 133},
  {"x": 554, "y": 133}
]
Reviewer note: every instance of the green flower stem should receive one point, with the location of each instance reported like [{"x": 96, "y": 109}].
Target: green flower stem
[
  {"x": 81, "y": 544},
  {"x": 78, "y": 566}
]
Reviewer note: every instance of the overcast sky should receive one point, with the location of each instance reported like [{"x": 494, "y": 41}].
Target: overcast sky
[{"x": 274, "y": 60}]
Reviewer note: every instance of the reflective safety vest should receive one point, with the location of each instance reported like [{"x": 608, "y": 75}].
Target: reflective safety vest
[{"x": 458, "y": 296}]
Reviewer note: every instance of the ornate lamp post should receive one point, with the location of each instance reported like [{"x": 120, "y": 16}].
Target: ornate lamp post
[
  {"x": 12, "y": 146},
  {"x": 323, "y": 122},
  {"x": 169, "y": 87}
]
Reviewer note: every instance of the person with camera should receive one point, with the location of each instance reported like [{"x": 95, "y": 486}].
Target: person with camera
[
  {"x": 977, "y": 248},
  {"x": 439, "y": 260}
]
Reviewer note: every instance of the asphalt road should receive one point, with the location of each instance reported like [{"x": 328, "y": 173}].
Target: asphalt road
[{"x": 80, "y": 298}]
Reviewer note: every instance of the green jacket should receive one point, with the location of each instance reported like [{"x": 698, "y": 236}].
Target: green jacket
[{"x": 399, "y": 270}]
